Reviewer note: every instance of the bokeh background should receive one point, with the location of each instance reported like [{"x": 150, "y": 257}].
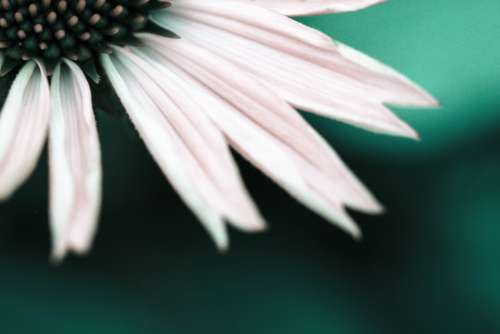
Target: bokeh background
[{"x": 430, "y": 265}]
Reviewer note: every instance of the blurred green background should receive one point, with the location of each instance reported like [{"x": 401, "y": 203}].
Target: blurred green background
[{"x": 430, "y": 265}]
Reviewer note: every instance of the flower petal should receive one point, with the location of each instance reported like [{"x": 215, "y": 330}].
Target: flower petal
[
  {"x": 312, "y": 7},
  {"x": 264, "y": 129},
  {"x": 310, "y": 76},
  {"x": 270, "y": 113},
  {"x": 23, "y": 126},
  {"x": 167, "y": 147},
  {"x": 75, "y": 162},
  {"x": 202, "y": 138}
]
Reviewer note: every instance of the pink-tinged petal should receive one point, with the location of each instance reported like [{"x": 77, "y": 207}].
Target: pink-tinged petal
[
  {"x": 23, "y": 127},
  {"x": 389, "y": 79},
  {"x": 75, "y": 162},
  {"x": 265, "y": 130},
  {"x": 270, "y": 113},
  {"x": 205, "y": 142},
  {"x": 312, "y": 7},
  {"x": 313, "y": 77},
  {"x": 249, "y": 19},
  {"x": 167, "y": 147}
]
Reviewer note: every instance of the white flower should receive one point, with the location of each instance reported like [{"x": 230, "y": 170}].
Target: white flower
[{"x": 195, "y": 78}]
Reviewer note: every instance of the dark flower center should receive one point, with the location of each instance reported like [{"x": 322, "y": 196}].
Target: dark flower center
[{"x": 50, "y": 30}]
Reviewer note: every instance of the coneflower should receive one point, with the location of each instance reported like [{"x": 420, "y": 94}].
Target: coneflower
[{"x": 196, "y": 77}]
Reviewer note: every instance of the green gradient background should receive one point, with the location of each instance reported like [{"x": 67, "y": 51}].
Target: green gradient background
[{"x": 430, "y": 265}]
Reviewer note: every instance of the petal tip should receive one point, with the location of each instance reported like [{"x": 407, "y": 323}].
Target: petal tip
[
  {"x": 406, "y": 131},
  {"x": 222, "y": 247},
  {"x": 257, "y": 228},
  {"x": 80, "y": 249},
  {"x": 358, "y": 237},
  {"x": 372, "y": 207},
  {"x": 425, "y": 99},
  {"x": 5, "y": 195},
  {"x": 57, "y": 256},
  {"x": 257, "y": 225},
  {"x": 355, "y": 232}
]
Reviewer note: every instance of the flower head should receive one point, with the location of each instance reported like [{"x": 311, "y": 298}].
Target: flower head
[{"x": 196, "y": 77}]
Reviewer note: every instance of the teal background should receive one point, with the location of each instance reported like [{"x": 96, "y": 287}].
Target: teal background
[{"x": 430, "y": 265}]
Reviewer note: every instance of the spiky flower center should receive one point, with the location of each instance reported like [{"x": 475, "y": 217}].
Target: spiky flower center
[{"x": 50, "y": 30}]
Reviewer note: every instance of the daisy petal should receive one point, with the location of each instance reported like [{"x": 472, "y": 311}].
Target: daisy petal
[
  {"x": 23, "y": 127},
  {"x": 75, "y": 162},
  {"x": 242, "y": 16},
  {"x": 403, "y": 92},
  {"x": 202, "y": 138},
  {"x": 313, "y": 77},
  {"x": 197, "y": 78},
  {"x": 265, "y": 130},
  {"x": 167, "y": 147},
  {"x": 274, "y": 116},
  {"x": 312, "y": 7}
]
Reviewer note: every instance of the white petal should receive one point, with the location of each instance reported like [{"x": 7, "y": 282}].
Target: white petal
[
  {"x": 312, "y": 7},
  {"x": 75, "y": 162},
  {"x": 167, "y": 148},
  {"x": 23, "y": 127},
  {"x": 277, "y": 118},
  {"x": 310, "y": 76},
  {"x": 384, "y": 76},
  {"x": 240, "y": 15},
  {"x": 202, "y": 138},
  {"x": 259, "y": 125}
]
